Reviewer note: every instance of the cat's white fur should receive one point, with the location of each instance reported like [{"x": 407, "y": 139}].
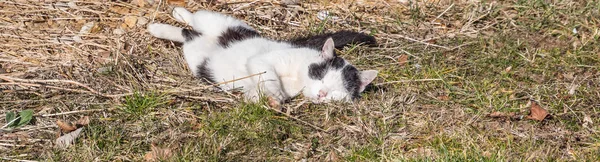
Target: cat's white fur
[{"x": 285, "y": 66}]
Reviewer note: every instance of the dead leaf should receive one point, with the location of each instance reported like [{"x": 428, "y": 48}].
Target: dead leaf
[
  {"x": 68, "y": 139},
  {"x": 130, "y": 21},
  {"x": 332, "y": 156},
  {"x": 119, "y": 10},
  {"x": 402, "y": 59},
  {"x": 65, "y": 127},
  {"x": 508, "y": 69},
  {"x": 158, "y": 154},
  {"x": 142, "y": 21},
  {"x": 176, "y": 2},
  {"x": 587, "y": 121},
  {"x": 537, "y": 112},
  {"x": 140, "y": 3},
  {"x": 118, "y": 32},
  {"x": 290, "y": 2},
  {"x": 83, "y": 121},
  {"x": 443, "y": 97}
]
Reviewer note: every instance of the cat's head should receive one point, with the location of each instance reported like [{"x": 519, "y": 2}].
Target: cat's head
[{"x": 331, "y": 78}]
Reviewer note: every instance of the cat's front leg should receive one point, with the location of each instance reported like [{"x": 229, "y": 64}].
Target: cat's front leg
[{"x": 268, "y": 83}]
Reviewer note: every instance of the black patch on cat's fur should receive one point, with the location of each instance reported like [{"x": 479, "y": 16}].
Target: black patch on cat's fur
[
  {"x": 317, "y": 71},
  {"x": 337, "y": 62},
  {"x": 189, "y": 34},
  {"x": 340, "y": 39},
  {"x": 205, "y": 73},
  {"x": 351, "y": 77},
  {"x": 234, "y": 34}
]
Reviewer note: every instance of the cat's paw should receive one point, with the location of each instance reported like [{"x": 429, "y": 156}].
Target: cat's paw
[
  {"x": 155, "y": 29},
  {"x": 273, "y": 103},
  {"x": 182, "y": 15}
]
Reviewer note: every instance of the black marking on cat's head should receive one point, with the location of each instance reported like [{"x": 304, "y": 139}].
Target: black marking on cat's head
[
  {"x": 234, "y": 34},
  {"x": 189, "y": 34},
  {"x": 317, "y": 71},
  {"x": 352, "y": 82},
  {"x": 205, "y": 73}
]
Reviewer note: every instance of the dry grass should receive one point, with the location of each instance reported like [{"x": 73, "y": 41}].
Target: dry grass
[{"x": 466, "y": 59}]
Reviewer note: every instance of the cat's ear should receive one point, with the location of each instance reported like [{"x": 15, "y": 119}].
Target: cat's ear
[
  {"x": 366, "y": 77},
  {"x": 327, "y": 51}
]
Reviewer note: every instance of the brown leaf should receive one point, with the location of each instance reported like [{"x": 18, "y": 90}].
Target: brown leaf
[
  {"x": 176, "y": 2},
  {"x": 130, "y": 21},
  {"x": 508, "y": 69},
  {"x": 402, "y": 59},
  {"x": 537, "y": 112},
  {"x": 443, "y": 97},
  {"x": 83, "y": 121},
  {"x": 140, "y": 3},
  {"x": 65, "y": 126},
  {"x": 158, "y": 154},
  {"x": 119, "y": 10}
]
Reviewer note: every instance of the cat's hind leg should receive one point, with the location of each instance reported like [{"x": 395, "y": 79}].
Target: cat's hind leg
[
  {"x": 182, "y": 15},
  {"x": 219, "y": 28}
]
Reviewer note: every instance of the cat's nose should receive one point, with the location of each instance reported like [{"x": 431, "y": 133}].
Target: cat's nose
[{"x": 322, "y": 94}]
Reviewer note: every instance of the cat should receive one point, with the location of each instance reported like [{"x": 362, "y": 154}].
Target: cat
[{"x": 221, "y": 48}]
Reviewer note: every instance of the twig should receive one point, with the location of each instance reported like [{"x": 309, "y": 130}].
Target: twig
[
  {"x": 216, "y": 84},
  {"x": 9, "y": 123},
  {"x": 6, "y": 158},
  {"x": 90, "y": 90},
  {"x": 299, "y": 120},
  {"x": 440, "y": 15},
  {"x": 422, "y": 42},
  {"x": 48, "y": 86},
  {"x": 405, "y": 81},
  {"x": 209, "y": 99},
  {"x": 11, "y": 145},
  {"x": 74, "y": 112},
  {"x": 7, "y": 78}
]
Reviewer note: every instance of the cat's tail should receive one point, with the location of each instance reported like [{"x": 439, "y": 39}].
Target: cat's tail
[
  {"x": 340, "y": 39},
  {"x": 172, "y": 33}
]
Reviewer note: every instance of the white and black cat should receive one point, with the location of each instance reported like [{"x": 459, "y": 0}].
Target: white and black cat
[{"x": 222, "y": 48}]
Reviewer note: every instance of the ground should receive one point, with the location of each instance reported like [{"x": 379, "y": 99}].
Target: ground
[{"x": 447, "y": 68}]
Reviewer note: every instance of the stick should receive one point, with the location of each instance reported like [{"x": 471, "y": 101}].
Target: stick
[
  {"x": 90, "y": 90},
  {"x": 301, "y": 121},
  {"x": 405, "y": 81},
  {"x": 11, "y": 145},
  {"x": 6, "y": 158},
  {"x": 422, "y": 42},
  {"x": 216, "y": 84},
  {"x": 7, "y": 78},
  {"x": 440, "y": 15},
  {"x": 74, "y": 112},
  {"x": 12, "y": 121}
]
